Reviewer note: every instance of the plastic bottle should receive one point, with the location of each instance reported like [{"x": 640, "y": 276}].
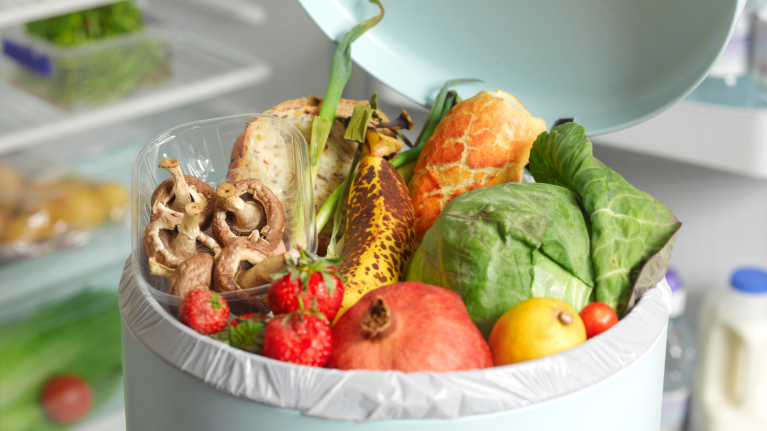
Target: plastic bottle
[
  {"x": 680, "y": 357},
  {"x": 733, "y": 375}
]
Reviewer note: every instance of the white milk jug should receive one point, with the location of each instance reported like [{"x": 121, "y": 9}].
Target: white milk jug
[{"x": 733, "y": 374}]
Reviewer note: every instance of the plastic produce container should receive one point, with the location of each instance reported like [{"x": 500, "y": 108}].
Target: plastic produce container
[
  {"x": 204, "y": 149},
  {"x": 88, "y": 74},
  {"x": 175, "y": 378},
  {"x": 71, "y": 326}
]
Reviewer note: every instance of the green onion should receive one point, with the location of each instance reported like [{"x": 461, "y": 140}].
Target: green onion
[
  {"x": 358, "y": 123},
  {"x": 442, "y": 104},
  {"x": 435, "y": 116},
  {"x": 339, "y": 75},
  {"x": 347, "y": 185}
]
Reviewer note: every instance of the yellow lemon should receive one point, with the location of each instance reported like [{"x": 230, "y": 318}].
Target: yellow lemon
[{"x": 535, "y": 328}]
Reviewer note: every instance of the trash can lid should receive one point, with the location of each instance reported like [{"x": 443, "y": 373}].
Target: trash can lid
[
  {"x": 749, "y": 280},
  {"x": 607, "y": 64}
]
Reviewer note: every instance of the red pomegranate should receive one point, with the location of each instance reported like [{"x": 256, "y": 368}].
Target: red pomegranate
[{"x": 408, "y": 326}]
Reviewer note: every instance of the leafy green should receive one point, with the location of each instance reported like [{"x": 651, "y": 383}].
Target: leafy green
[
  {"x": 80, "y": 335},
  {"x": 497, "y": 246},
  {"x": 628, "y": 226},
  {"x": 339, "y": 75},
  {"x": 89, "y": 25}
]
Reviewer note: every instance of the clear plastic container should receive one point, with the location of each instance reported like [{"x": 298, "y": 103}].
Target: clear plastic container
[
  {"x": 89, "y": 74},
  {"x": 204, "y": 149}
]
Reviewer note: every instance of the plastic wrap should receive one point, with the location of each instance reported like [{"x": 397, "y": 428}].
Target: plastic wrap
[
  {"x": 45, "y": 206},
  {"x": 375, "y": 395}
]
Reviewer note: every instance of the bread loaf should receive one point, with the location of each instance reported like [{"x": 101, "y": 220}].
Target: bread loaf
[{"x": 482, "y": 141}]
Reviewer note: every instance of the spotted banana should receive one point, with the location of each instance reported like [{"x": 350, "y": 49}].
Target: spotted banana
[{"x": 380, "y": 235}]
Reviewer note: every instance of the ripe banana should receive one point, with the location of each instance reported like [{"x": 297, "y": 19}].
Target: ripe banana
[{"x": 380, "y": 235}]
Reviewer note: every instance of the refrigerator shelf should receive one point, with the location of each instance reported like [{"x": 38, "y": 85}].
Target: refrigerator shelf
[
  {"x": 14, "y": 12},
  {"x": 717, "y": 136},
  {"x": 200, "y": 69}
]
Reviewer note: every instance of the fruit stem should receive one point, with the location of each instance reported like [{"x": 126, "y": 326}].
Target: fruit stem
[
  {"x": 378, "y": 322},
  {"x": 565, "y": 318}
]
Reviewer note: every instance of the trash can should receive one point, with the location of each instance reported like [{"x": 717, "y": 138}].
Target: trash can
[
  {"x": 594, "y": 62},
  {"x": 176, "y": 378}
]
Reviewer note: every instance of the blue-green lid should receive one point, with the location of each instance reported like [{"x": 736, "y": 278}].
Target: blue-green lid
[{"x": 608, "y": 64}]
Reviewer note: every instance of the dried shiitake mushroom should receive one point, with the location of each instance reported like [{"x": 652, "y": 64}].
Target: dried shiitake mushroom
[
  {"x": 171, "y": 239},
  {"x": 233, "y": 263},
  {"x": 179, "y": 190},
  {"x": 193, "y": 273},
  {"x": 248, "y": 209}
]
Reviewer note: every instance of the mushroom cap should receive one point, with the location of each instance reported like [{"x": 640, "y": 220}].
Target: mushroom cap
[
  {"x": 193, "y": 273},
  {"x": 230, "y": 262},
  {"x": 162, "y": 195},
  {"x": 270, "y": 234},
  {"x": 157, "y": 235}
]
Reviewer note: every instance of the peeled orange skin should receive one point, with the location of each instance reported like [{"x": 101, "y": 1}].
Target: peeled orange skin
[{"x": 533, "y": 329}]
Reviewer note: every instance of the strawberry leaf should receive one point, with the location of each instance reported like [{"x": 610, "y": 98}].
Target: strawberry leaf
[{"x": 248, "y": 335}]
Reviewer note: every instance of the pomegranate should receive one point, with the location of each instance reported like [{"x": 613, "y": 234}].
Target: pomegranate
[{"x": 408, "y": 326}]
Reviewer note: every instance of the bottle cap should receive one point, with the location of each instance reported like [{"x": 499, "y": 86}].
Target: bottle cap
[
  {"x": 673, "y": 280},
  {"x": 749, "y": 280},
  {"x": 678, "y": 294}
]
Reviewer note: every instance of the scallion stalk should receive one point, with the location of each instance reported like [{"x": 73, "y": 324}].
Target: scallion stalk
[{"x": 339, "y": 75}]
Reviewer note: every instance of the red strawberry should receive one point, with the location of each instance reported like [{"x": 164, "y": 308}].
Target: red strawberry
[
  {"x": 301, "y": 337},
  {"x": 204, "y": 310},
  {"x": 310, "y": 279}
]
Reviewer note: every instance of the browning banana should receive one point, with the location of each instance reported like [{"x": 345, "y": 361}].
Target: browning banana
[{"x": 380, "y": 234}]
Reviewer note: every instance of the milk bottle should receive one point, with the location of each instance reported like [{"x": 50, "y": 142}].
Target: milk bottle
[{"x": 733, "y": 374}]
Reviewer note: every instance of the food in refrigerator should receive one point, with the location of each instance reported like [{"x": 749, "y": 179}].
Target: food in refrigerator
[
  {"x": 87, "y": 58},
  {"x": 44, "y": 207}
]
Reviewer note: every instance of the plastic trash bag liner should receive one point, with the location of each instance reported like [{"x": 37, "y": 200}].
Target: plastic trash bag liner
[{"x": 377, "y": 395}]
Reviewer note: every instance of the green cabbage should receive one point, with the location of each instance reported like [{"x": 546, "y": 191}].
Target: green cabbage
[{"x": 581, "y": 233}]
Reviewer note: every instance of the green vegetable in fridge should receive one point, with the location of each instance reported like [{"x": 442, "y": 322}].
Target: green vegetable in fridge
[
  {"x": 632, "y": 233},
  {"x": 580, "y": 233},
  {"x": 85, "y": 26},
  {"x": 79, "y": 336},
  {"x": 497, "y": 246}
]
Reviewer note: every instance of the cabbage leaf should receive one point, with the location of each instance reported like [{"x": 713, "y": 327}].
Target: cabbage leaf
[{"x": 631, "y": 232}]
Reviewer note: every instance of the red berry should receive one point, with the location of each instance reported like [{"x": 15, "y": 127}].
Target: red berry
[
  {"x": 66, "y": 399},
  {"x": 300, "y": 338},
  {"x": 598, "y": 317},
  {"x": 204, "y": 310},
  {"x": 310, "y": 279}
]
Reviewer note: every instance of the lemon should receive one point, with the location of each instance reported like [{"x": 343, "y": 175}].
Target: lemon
[{"x": 535, "y": 328}]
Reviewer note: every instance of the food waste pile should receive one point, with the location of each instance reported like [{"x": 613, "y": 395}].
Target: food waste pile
[{"x": 433, "y": 255}]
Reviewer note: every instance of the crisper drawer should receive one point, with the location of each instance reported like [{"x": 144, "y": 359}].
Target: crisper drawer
[{"x": 71, "y": 327}]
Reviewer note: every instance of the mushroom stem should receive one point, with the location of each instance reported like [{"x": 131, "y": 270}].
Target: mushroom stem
[
  {"x": 247, "y": 215},
  {"x": 181, "y": 189},
  {"x": 185, "y": 244},
  {"x": 261, "y": 273}
]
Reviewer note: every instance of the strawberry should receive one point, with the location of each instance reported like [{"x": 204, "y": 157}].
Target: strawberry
[
  {"x": 310, "y": 279},
  {"x": 204, "y": 310},
  {"x": 301, "y": 337}
]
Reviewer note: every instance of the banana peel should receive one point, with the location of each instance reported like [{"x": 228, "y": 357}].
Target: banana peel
[{"x": 380, "y": 233}]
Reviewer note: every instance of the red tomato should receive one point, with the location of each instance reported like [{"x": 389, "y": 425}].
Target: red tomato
[
  {"x": 66, "y": 399},
  {"x": 598, "y": 317}
]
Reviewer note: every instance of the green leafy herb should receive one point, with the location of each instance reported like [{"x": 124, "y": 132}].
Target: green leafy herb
[{"x": 89, "y": 25}]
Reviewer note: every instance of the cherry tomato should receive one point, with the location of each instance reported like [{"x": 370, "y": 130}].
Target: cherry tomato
[
  {"x": 598, "y": 317},
  {"x": 66, "y": 399}
]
